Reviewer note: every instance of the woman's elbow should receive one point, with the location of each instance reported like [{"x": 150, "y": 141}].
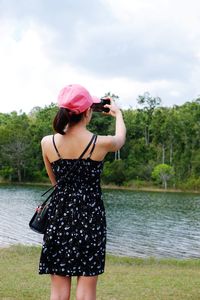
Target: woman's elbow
[{"x": 120, "y": 143}]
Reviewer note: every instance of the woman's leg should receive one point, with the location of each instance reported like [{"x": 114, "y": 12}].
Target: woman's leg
[
  {"x": 86, "y": 287},
  {"x": 60, "y": 287}
]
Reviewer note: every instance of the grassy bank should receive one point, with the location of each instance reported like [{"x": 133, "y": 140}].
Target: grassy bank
[{"x": 124, "y": 278}]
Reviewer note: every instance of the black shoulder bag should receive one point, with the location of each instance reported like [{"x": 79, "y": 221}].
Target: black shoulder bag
[{"x": 39, "y": 221}]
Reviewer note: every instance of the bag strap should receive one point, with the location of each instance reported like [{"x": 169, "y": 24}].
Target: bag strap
[{"x": 75, "y": 164}]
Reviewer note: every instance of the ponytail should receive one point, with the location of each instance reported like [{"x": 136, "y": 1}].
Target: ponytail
[{"x": 63, "y": 118}]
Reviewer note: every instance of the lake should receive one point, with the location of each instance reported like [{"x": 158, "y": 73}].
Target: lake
[{"x": 140, "y": 224}]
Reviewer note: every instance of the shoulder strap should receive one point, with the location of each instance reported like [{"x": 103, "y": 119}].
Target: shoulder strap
[
  {"x": 82, "y": 154},
  {"x": 93, "y": 146},
  {"x": 56, "y": 147},
  {"x": 93, "y": 139}
]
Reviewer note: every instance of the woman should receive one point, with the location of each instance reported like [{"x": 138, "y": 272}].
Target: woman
[{"x": 75, "y": 241}]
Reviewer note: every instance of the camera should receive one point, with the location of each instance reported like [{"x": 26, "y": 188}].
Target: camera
[{"x": 99, "y": 107}]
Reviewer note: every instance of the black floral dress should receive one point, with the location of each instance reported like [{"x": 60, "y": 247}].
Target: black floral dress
[{"x": 75, "y": 241}]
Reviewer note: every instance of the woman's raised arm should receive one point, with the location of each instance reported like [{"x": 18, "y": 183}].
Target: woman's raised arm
[{"x": 115, "y": 142}]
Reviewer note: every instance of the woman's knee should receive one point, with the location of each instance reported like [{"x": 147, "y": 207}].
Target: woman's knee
[
  {"x": 60, "y": 297},
  {"x": 86, "y": 288},
  {"x": 86, "y": 296},
  {"x": 60, "y": 288}
]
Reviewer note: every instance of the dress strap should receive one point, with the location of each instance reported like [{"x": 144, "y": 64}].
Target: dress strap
[
  {"x": 93, "y": 146},
  {"x": 56, "y": 147},
  {"x": 70, "y": 171}
]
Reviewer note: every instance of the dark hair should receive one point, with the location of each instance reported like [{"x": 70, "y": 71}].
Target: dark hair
[{"x": 64, "y": 117}]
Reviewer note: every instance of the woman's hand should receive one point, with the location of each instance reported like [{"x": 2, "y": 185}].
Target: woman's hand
[
  {"x": 117, "y": 141},
  {"x": 114, "y": 109}
]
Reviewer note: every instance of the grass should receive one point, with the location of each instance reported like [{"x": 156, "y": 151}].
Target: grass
[{"x": 124, "y": 278}]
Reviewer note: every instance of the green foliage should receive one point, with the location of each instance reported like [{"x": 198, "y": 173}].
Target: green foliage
[
  {"x": 191, "y": 184},
  {"x": 156, "y": 135},
  {"x": 114, "y": 172},
  {"x": 163, "y": 173},
  {"x": 149, "y": 105},
  {"x": 101, "y": 124},
  {"x": 6, "y": 172},
  {"x": 149, "y": 102}
]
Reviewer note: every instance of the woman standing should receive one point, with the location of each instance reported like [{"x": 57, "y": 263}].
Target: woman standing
[{"x": 75, "y": 241}]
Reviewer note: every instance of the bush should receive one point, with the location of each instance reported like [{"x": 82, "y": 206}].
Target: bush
[
  {"x": 40, "y": 177},
  {"x": 190, "y": 184},
  {"x": 163, "y": 173},
  {"x": 6, "y": 173},
  {"x": 114, "y": 172},
  {"x": 138, "y": 183}
]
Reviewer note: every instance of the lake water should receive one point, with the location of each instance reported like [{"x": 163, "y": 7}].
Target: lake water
[{"x": 140, "y": 224}]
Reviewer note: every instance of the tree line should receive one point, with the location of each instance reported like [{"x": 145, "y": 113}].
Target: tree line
[{"x": 162, "y": 146}]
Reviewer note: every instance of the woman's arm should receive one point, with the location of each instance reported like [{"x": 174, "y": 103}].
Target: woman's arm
[
  {"x": 46, "y": 162},
  {"x": 114, "y": 143}
]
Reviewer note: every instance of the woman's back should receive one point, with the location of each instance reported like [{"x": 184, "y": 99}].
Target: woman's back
[
  {"x": 87, "y": 171},
  {"x": 71, "y": 144}
]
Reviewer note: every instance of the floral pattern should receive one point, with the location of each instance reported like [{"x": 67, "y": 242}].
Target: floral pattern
[{"x": 75, "y": 241}]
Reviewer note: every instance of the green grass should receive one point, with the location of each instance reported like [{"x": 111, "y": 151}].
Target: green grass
[{"x": 124, "y": 278}]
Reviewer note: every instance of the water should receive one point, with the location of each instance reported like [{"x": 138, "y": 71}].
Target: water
[{"x": 140, "y": 224}]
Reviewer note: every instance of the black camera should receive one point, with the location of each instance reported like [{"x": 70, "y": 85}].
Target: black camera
[{"x": 99, "y": 107}]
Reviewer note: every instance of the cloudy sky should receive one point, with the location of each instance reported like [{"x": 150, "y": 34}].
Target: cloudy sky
[{"x": 126, "y": 47}]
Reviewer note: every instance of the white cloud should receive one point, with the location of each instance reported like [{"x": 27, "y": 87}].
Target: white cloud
[
  {"x": 132, "y": 47},
  {"x": 24, "y": 66}
]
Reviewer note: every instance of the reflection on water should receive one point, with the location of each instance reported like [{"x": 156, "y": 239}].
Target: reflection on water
[{"x": 139, "y": 224}]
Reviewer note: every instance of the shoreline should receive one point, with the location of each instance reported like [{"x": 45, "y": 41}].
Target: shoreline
[
  {"x": 114, "y": 256},
  {"x": 112, "y": 187}
]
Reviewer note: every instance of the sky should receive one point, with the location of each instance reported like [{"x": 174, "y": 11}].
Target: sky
[{"x": 126, "y": 47}]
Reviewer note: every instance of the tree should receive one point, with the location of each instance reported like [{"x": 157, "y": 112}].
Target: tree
[
  {"x": 149, "y": 104},
  {"x": 14, "y": 146},
  {"x": 163, "y": 172},
  {"x": 113, "y": 96},
  {"x": 155, "y": 135}
]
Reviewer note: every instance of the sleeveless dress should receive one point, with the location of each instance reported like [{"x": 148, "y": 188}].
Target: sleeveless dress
[{"x": 75, "y": 240}]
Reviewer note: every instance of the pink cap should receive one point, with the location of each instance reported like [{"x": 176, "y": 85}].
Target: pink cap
[{"x": 76, "y": 98}]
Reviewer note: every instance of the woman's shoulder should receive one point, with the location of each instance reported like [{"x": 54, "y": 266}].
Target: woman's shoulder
[{"x": 45, "y": 139}]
